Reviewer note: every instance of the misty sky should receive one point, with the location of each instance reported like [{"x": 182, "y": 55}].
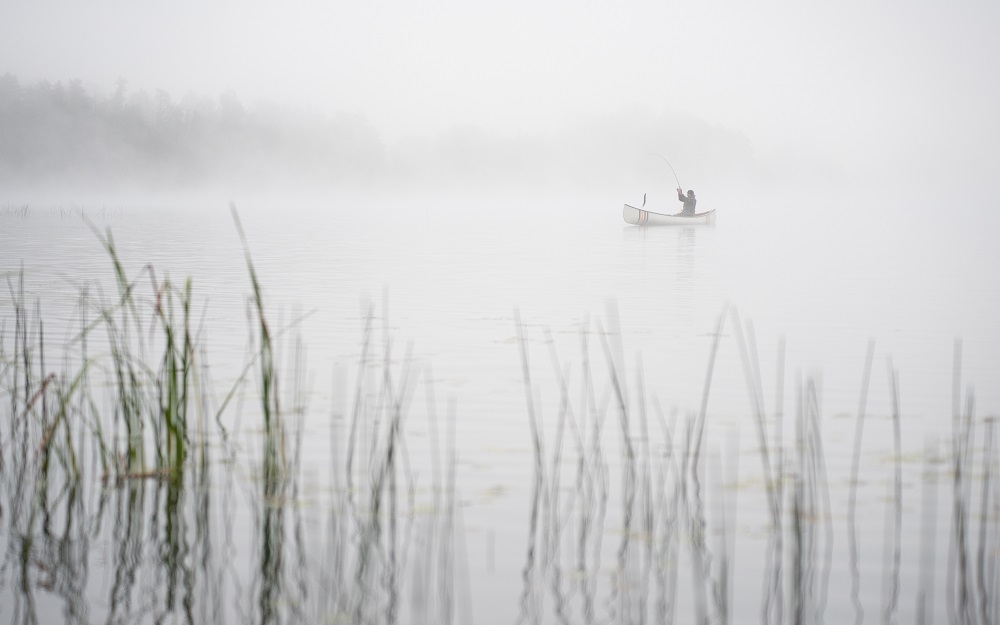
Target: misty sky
[{"x": 876, "y": 82}]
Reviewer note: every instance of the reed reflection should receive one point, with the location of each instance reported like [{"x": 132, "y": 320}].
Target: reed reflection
[
  {"x": 675, "y": 538},
  {"x": 123, "y": 497}
]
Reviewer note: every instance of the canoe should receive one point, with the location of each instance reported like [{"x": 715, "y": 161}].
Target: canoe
[{"x": 640, "y": 217}]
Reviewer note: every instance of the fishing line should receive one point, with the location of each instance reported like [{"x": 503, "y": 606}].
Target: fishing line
[{"x": 679, "y": 186}]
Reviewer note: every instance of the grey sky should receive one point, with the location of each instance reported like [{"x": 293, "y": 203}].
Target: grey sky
[{"x": 880, "y": 82}]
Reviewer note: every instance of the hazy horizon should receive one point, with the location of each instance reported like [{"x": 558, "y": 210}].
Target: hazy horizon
[
  {"x": 870, "y": 94},
  {"x": 327, "y": 312}
]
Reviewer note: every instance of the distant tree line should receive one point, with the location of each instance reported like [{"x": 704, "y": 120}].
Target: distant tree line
[
  {"x": 64, "y": 135},
  {"x": 61, "y": 132}
]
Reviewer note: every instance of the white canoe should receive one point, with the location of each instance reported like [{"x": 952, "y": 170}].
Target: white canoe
[{"x": 640, "y": 217}]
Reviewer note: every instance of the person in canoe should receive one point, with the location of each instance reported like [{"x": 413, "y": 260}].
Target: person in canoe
[{"x": 689, "y": 201}]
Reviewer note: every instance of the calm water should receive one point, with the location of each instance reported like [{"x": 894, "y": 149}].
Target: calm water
[{"x": 446, "y": 278}]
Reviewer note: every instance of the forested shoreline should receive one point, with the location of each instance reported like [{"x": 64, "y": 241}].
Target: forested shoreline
[
  {"x": 64, "y": 131},
  {"x": 69, "y": 135}
]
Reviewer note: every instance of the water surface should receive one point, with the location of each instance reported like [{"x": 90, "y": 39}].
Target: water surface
[{"x": 444, "y": 280}]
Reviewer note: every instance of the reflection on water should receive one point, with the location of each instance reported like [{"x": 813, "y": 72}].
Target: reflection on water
[
  {"x": 141, "y": 481},
  {"x": 668, "y": 250},
  {"x": 675, "y": 541},
  {"x": 148, "y": 491}
]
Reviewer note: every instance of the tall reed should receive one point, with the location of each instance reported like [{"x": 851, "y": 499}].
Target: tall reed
[{"x": 630, "y": 523}]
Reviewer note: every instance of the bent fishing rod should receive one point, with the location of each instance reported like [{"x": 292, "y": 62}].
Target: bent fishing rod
[{"x": 671, "y": 168}]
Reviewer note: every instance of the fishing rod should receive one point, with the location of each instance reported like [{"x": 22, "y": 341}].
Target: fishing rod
[{"x": 671, "y": 169}]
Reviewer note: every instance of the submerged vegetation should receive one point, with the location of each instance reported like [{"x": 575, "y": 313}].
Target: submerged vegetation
[{"x": 125, "y": 471}]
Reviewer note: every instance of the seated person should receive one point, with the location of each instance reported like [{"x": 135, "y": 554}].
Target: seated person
[{"x": 689, "y": 201}]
